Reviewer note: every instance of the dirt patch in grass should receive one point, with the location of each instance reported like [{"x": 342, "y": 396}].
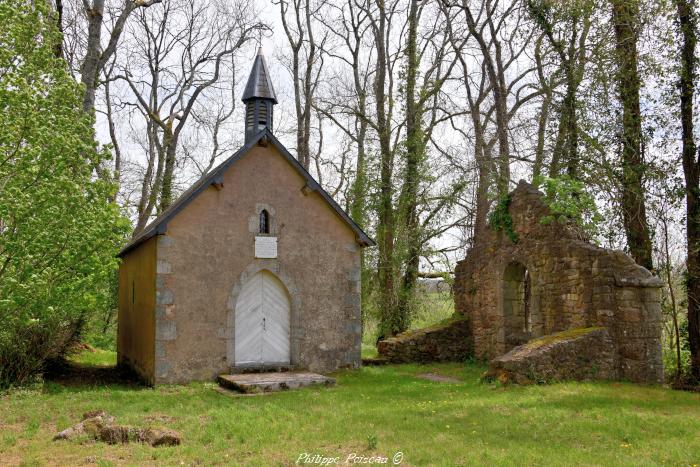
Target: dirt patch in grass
[
  {"x": 69, "y": 373},
  {"x": 11, "y": 459},
  {"x": 438, "y": 378}
]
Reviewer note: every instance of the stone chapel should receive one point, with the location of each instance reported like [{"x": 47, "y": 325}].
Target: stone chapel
[{"x": 254, "y": 267}]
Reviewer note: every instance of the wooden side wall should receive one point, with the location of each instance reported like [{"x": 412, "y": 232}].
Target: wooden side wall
[{"x": 137, "y": 303}]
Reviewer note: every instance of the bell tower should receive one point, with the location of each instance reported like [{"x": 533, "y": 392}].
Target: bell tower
[{"x": 259, "y": 98}]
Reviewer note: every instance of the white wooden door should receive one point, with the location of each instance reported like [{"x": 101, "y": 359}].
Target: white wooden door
[
  {"x": 248, "y": 326},
  {"x": 275, "y": 311},
  {"x": 262, "y": 322}
]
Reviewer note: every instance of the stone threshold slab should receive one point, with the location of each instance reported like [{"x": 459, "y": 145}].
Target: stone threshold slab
[{"x": 250, "y": 383}]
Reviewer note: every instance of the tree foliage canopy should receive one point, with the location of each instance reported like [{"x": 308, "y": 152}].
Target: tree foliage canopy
[{"x": 58, "y": 232}]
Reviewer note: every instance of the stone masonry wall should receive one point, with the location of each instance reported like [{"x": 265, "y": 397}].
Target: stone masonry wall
[
  {"x": 446, "y": 341},
  {"x": 572, "y": 284}
]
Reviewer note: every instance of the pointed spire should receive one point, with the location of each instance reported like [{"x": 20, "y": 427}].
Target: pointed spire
[
  {"x": 259, "y": 97},
  {"x": 259, "y": 84}
]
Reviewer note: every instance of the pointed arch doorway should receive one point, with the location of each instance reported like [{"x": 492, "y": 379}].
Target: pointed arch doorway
[{"x": 262, "y": 322}]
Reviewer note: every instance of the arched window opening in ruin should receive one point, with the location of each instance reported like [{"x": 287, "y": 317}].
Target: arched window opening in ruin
[
  {"x": 264, "y": 222},
  {"x": 517, "y": 305}
]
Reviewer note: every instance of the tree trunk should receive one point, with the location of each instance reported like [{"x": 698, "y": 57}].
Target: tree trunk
[
  {"x": 483, "y": 183},
  {"x": 414, "y": 158},
  {"x": 166, "y": 194},
  {"x": 89, "y": 70},
  {"x": 565, "y": 153},
  {"x": 150, "y": 191},
  {"x": 302, "y": 146},
  {"x": 303, "y": 85},
  {"x": 572, "y": 160},
  {"x": 483, "y": 165},
  {"x": 115, "y": 141},
  {"x": 571, "y": 130},
  {"x": 358, "y": 210},
  {"x": 672, "y": 295},
  {"x": 58, "y": 47},
  {"x": 385, "y": 227},
  {"x": 309, "y": 86},
  {"x": 95, "y": 57},
  {"x": 625, "y": 14},
  {"x": 559, "y": 143},
  {"x": 572, "y": 60},
  {"x": 691, "y": 168},
  {"x": 543, "y": 118},
  {"x": 542, "y": 121}
]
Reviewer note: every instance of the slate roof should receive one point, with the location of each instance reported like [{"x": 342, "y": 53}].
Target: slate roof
[
  {"x": 160, "y": 224},
  {"x": 259, "y": 84}
]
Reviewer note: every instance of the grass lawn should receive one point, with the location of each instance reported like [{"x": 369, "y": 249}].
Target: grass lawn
[
  {"x": 96, "y": 358},
  {"x": 375, "y": 410}
]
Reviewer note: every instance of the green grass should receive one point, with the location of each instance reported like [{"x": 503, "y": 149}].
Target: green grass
[
  {"x": 369, "y": 351},
  {"x": 375, "y": 410},
  {"x": 432, "y": 308},
  {"x": 96, "y": 357}
]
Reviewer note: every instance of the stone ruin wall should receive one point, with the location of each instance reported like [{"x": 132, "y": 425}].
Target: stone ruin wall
[{"x": 572, "y": 284}]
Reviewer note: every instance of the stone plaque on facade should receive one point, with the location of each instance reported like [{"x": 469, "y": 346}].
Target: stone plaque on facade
[{"x": 266, "y": 247}]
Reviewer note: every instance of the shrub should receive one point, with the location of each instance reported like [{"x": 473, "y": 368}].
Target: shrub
[
  {"x": 58, "y": 232},
  {"x": 567, "y": 199},
  {"x": 500, "y": 219}
]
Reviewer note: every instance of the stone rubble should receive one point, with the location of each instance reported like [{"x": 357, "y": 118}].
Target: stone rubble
[
  {"x": 578, "y": 354},
  {"x": 100, "y": 426}
]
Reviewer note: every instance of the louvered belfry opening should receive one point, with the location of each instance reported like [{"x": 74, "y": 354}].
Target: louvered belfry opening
[
  {"x": 259, "y": 97},
  {"x": 259, "y": 115}
]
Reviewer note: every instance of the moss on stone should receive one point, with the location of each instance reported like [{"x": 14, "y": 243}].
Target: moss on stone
[
  {"x": 434, "y": 327},
  {"x": 560, "y": 336}
]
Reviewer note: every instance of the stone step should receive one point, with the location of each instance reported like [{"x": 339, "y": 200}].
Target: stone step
[
  {"x": 249, "y": 383},
  {"x": 239, "y": 370}
]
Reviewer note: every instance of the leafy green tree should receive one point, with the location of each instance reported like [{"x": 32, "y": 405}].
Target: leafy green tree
[
  {"x": 688, "y": 28},
  {"x": 58, "y": 234}
]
